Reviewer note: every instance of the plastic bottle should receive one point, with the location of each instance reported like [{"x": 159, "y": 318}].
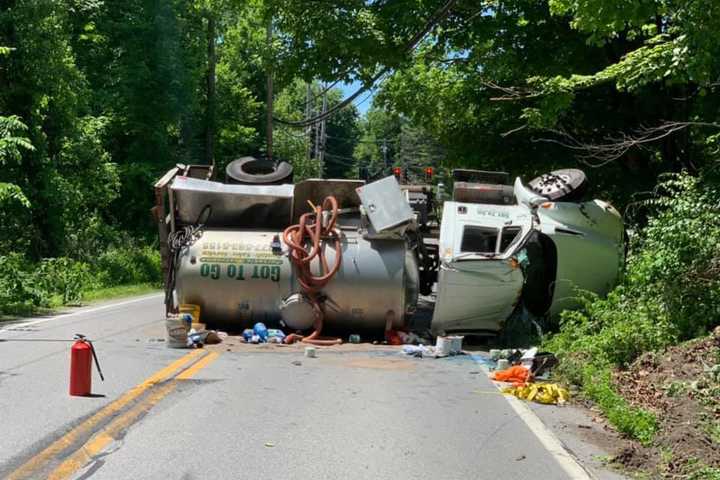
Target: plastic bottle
[{"x": 261, "y": 331}]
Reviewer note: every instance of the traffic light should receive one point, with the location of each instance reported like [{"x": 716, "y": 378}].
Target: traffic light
[
  {"x": 397, "y": 171},
  {"x": 428, "y": 174}
]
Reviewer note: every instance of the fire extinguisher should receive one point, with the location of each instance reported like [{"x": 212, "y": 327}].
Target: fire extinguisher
[{"x": 82, "y": 354}]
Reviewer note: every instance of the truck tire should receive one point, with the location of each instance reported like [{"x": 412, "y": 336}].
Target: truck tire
[
  {"x": 254, "y": 171},
  {"x": 568, "y": 184}
]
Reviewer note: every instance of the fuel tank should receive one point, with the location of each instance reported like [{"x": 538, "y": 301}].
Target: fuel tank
[{"x": 238, "y": 278}]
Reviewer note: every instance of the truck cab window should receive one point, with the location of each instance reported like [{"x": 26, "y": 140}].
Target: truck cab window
[
  {"x": 508, "y": 236},
  {"x": 479, "y": 239}
]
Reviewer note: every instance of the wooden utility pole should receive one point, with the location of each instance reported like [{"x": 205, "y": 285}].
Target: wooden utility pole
[
  {"x": 323, "y": 136},
  {"x": 308, "y": 113},
  {"x": 210, "y": 107},
  {"x": 269, "y": 94}
]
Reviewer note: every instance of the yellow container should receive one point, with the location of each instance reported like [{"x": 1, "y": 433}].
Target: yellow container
[{"x": 193, "y": 310}]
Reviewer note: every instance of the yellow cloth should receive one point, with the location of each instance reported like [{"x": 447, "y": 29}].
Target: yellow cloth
[{"x": 548, "y": 393}]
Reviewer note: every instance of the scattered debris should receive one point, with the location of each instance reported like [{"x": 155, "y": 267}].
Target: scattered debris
[
  {"x": 547, "y": 393},
  {"x": 516, "y": 375},
  {"x": 269, "y": 444},
  {"x": 297, "y": 363},
  {"x": 419, "y": 351},
  {"x": 310, "y": 352},
  {"x": 392, "y": 337}
]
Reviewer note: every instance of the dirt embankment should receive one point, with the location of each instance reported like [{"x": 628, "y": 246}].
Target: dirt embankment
[{"x": 681, "y": 386}]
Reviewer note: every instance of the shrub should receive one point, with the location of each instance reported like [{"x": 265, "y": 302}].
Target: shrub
[
  {"x": 26, "y": 286},
  {"x": 670, "y": 292},
  {"x": 19, "y": 290},
  {"x": 122, "y": 266},
  {"x": 64, "y": 277}
]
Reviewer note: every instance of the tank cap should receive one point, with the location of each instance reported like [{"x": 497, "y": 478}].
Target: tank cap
[{"x": 297, "y": 312}]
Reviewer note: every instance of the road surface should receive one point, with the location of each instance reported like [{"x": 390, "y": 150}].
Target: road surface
[{"x": 253, "y": 412}]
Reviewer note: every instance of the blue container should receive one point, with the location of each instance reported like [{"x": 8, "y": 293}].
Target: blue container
[
  {"x": 247, "y": 334},
  {"x": 261, "y": 331}
]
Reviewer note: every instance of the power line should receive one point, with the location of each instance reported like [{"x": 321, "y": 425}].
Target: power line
[{"x": 414, "y": 41}]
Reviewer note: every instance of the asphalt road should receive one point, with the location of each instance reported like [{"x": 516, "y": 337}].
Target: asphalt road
[{"x": 251, "y": 412}]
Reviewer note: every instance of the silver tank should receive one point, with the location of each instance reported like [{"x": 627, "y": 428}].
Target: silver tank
[{"x": 237, "y": 279}]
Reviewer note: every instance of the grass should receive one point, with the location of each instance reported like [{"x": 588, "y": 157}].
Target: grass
[
  {"x": 635, "y": 422},
  {"x": 119, "y": 292},
  {"x": 90, "y": 296}
]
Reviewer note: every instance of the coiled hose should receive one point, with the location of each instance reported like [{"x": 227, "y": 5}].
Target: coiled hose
[
  {"x": 177, "y": 241},
  {"x": 313, "y": 230}
]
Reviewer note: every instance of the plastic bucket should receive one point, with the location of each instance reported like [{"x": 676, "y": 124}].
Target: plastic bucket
[
  {"x": 456, "y": 344},
  {"x": 442, "y": 346},
  {"x": 177, "y": 332}
]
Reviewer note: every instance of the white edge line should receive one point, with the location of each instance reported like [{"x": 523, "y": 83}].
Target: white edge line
[
  {"x": 546, "y": 437},
  {"x": 12, "y": 327}
]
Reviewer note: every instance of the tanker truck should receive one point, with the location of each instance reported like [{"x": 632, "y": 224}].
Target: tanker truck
[
  {"x": 355, "y": 256},
  {"x": 283, "y": 253}
]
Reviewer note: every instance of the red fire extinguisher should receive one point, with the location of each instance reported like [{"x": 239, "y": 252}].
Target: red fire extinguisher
[{"x": 82, "y": 354}]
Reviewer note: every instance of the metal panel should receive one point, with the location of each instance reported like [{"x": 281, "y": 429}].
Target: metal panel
[
  {"x": 480, "y": 176},
  {"x": 254, "y": 206},
  {"x": 483, "y": 193},
  {"x": 385, "y": 204},
  {"x": 315, "y": 190}
]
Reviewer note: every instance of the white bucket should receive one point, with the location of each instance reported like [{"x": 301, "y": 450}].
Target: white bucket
[
  {"x": 456, "y": 344},
  {"x": 310, "y": 352},
  {"x": 442, "y": 346},
  {"x": 177, "y": 332}
]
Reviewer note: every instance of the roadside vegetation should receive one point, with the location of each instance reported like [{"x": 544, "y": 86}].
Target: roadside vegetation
[
  {"x": 99, "y": 99},
  {"x": 669, "y": 295},
  {"x": 28, "y": 286}
]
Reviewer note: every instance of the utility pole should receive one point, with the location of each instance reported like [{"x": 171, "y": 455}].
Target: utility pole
[
  {"x": 210, "y": 107},
  {"x": 384, "y": 149},
  {"x": 269, "y": 94},
  {"x": 323, "y": 136},
  {"x": 308, "y": 112},
  {"x": 316, "y": 129}
]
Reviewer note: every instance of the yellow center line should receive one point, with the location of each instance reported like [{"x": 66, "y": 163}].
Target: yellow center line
[
  {"x": 102, "y": 439},
  {"x": 41, "y": 459}
]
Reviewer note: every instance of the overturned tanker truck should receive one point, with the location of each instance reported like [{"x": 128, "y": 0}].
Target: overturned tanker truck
[{"x": 355, "y": 256}]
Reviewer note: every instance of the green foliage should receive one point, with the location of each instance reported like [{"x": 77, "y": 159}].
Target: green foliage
[
  {"x": 127, "y": 265},
  {"x": 63, "y": 277},
  {"x": 26, "y": 285},
  {"x": 634, "y": 422},
  {"x": 12, "y": 145},
  {"x": 671, "y": 292},
  {"x": 19, "y": 289}
]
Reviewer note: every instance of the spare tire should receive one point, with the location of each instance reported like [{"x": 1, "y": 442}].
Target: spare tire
[
  {"x": 255, "y": 171},
  {"x": 568, "y": 184}
]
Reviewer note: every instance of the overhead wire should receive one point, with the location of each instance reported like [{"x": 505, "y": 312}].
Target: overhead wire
[{"x": 410, "y": 45}]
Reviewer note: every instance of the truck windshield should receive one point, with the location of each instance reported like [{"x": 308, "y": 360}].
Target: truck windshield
[{"x": 479, "y": 239}]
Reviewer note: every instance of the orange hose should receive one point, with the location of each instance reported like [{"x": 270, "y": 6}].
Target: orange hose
[{"x": 313, "y": 230}]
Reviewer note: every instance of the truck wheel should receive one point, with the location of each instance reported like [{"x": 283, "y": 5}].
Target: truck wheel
[
  {"x": 254, "y": 171},
  {"x": 568, "y": 184}
]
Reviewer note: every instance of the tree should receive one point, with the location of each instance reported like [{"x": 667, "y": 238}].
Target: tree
[
  {"x": 500, "y": 88},
  {"x": 14, "y": 205}
]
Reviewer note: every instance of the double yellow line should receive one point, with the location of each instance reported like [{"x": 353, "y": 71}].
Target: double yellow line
[{"x": 101, "y": 439}]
